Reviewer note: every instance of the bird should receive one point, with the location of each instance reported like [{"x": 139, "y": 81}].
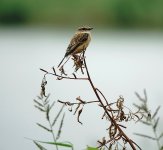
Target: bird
[{"x": 78, "y": 43}]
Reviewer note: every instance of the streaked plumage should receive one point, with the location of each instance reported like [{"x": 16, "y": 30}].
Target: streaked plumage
[{"x": 79, "y": 42}]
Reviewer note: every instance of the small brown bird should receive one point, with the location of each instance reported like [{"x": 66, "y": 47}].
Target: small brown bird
[{"x": 79, "y": 42}]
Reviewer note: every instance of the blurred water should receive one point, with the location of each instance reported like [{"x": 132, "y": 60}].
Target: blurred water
[{"x": 120, "y": 63}]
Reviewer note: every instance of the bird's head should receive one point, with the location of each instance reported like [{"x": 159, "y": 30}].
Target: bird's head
[{"x": 85, "y": 28}]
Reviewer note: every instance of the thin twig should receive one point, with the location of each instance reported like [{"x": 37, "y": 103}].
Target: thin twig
[
  {"x": 105, "y": 100},
  {"x": 61, "y": 77},
  {"x": 70, "y": 104}
]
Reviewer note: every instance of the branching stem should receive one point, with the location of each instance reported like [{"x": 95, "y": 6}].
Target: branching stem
[
  {"x": 106, "y": 106},
  {"x": 112, "y": 120}
]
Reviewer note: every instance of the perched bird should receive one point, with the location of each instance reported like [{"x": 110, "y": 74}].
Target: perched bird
[{"x": 78, "y": 43}]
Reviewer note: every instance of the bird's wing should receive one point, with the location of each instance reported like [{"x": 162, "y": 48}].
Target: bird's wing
[{"x": 76, "y": 41}]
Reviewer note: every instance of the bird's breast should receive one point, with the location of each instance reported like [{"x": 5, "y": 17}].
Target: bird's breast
[{"x": 83, "y": 46}]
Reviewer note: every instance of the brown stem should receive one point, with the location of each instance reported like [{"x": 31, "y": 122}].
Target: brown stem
[
  {"x": 62, "y": 77},
  {"x": 97, "y": 92},
  {"x": 105, "y": 100},
  {"x": 112, "y": 120},
  {"x": 68, "y": 103}
]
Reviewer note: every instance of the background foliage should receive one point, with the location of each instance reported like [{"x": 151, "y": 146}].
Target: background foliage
[{"x": 107, "y": 13}]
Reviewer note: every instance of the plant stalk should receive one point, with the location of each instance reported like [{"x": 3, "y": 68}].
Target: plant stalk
[{"x": 112, "y": 120}]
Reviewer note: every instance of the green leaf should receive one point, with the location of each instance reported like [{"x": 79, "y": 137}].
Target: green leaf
[
  {"x": 145, "y": 122},
  {"x": 38, "y": 103},
  {"x": 60, "y": 127},
  {"x": 156, "y": 111},
  {"x": 43, "y": 127},
  {"x": 52, "y": 105},
  {"x": 46, "y": 99},
  {"x": 57, "y": 116},
  {"x": 47, "y": 112},
  {"x": 39, "y": 146},
  {"x": 145, "y": 136},
  {"x": 39, "y": 108},
  {"x": 91, "y": 148},
  {"x": 161, "y": 135},
  {"x": 156, "y": 123},
  {"x": 58, "y": 144}
]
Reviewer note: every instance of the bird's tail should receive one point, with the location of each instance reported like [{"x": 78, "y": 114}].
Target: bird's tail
[{"x": 61, "y": 61}]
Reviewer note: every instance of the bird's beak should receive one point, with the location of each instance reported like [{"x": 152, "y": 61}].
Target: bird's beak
[{"x": 90, "y": 28}]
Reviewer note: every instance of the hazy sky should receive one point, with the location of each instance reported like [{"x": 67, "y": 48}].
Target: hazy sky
[{"x": 120, "y": 63}]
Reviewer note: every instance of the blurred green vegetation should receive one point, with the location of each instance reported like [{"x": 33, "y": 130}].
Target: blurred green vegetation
[{"x": 107, "y": 13}]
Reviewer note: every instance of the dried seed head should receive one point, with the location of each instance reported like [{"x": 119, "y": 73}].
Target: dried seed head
[
  {"x": 120, "y": 102},
  {"x": 43, "y": 84},
  {"x": 78, "y": 62},
  {"x": 61, "y": 69},
  {"x": 122, "y": 116}
]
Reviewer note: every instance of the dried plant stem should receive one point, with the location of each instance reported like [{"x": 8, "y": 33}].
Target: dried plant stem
[
  {"x": 112, "y": 120},
  {"x": 70, "y": 104},
  {"x": 61, "y": 77},
  {"x": 104, "y": 104},
  {"x": 105, "y": 100}
]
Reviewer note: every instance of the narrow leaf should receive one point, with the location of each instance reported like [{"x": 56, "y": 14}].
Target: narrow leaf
[
  {"x": 156, "y": 123},
  {"x": 57, "y": 143},
  {"x": 39, "y": 146},
  {"x": 139, "y": 97},
  {"x": 146, "y": 136},
  {"x": 146, "y": 123},
  {"x": 39, "y": 97},
  {"x": 57, "y": 116},
  {"x": 60, "y": 127},
  {"x": 51, "y": 106},
  {"x": 39, "y": 108},
  {"x": 137, "y": 106},
  {"x": 47, "y": 97},
  {"x": 145, "y": 94},
  {"x": 139, "y": 118},
  {"x": 161, "y": 135},
  {"x": 38, "y": 103},
  {"x": 46, "y": 103},
  {"x": 156, "y": 111},
  {"x": 91, "y": 148},
  {"x": 44, "y": 127},
  {"x": 47, "y": 112}
]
